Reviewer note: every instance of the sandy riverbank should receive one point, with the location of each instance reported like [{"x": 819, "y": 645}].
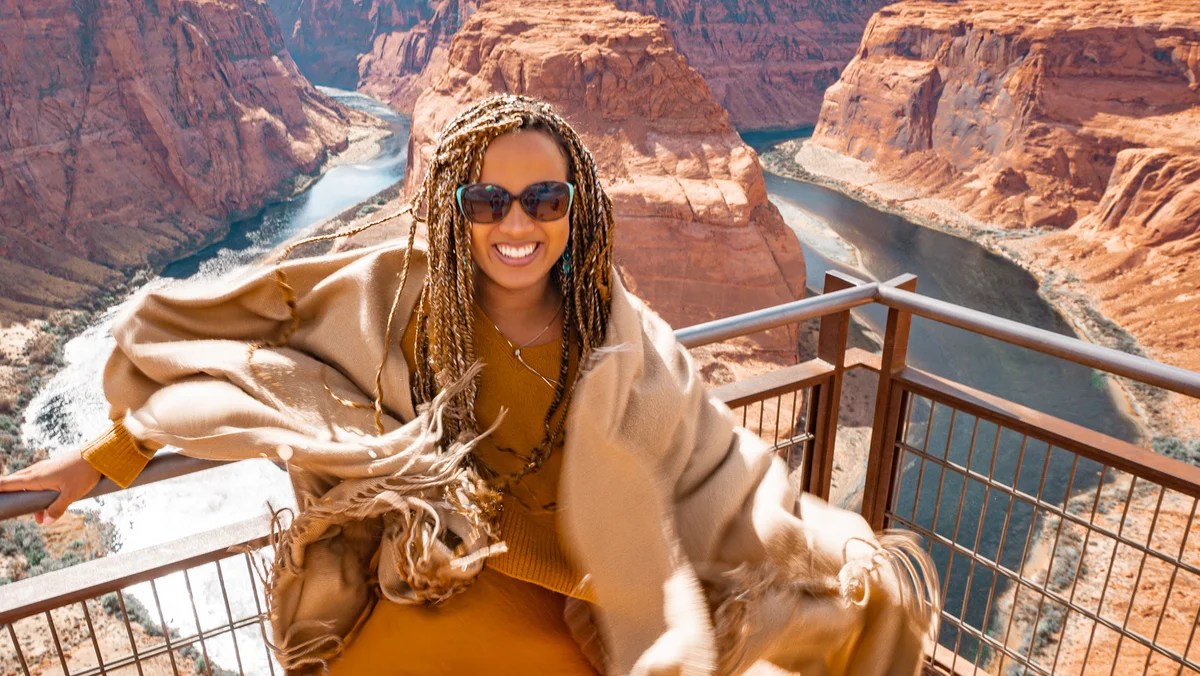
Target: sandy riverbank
[
  {"x": 1141, "y": 589},
  {"x": 1156, "y": 412}
]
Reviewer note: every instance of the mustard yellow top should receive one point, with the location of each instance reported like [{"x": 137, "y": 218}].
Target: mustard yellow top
[{"x": 527, "y": 527}]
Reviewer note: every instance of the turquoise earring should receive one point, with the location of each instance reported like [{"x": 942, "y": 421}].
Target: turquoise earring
[{"x": 564, "y": 262}]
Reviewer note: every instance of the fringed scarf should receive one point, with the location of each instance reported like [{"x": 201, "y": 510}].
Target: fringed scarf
[{"x": 701, "y": 557}]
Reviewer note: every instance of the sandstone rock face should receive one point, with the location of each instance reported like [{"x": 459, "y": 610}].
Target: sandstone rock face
[
  {"x": 695, "y": 232},
  {"x": 1138, "y": 254},
  {"x": 383, "y": 47},
  {"x": 1018, "y": 122},
  {"x": 401, "y": 62},
  {"x": 133, "y": 132},
  {"x": 1086, "y": 119},
  {"x": 768, "y": 62}
]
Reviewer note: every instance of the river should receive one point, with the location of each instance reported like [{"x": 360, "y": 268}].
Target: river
[
  {"x": 71, "y": 408},
  {"x": 839, "y": 233}
]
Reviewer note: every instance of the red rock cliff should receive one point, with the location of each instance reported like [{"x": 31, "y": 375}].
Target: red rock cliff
[
  {"x": 133, "y": 132},
  {"x": 1080, "y": 115},
  {"x": 767, "y": 62},
  {"x": 383, "y": 47},
  {"x": 1018, "y": 121},
  {"x": 695, "y": 231}
]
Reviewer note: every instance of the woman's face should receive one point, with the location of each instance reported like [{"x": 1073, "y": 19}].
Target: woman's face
[{"x": 515, "y": 161}]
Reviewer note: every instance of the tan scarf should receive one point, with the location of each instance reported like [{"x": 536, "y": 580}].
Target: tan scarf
[{"x": 188, "y": 371}]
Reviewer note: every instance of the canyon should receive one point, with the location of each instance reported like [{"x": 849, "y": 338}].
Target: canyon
[
  {"x": 767, "y": 62},
  {"x": 695, "y": 235},
  {"x": 1073, "y": 140},
  {"x": 135, "y": 132}
]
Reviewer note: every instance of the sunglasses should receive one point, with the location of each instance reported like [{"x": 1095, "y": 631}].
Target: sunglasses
[{"x": 487, "y": 203}]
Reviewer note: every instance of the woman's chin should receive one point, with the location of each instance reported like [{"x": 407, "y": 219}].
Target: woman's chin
[{"x": 516, "y": 278}]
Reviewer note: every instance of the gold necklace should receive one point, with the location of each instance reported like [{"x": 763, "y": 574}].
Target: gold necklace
[{"x": 517, "y": 348}]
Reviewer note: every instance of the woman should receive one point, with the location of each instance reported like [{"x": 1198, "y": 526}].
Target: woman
[{"x": 544, "y": 453}]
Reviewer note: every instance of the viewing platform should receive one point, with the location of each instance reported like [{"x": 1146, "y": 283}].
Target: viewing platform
[{"x": 1059, "y": 549}]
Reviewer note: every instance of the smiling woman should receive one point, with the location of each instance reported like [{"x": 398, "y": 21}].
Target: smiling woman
[
  {"x": 545, "y": 452},
  {"x": 514, "y": 249}
]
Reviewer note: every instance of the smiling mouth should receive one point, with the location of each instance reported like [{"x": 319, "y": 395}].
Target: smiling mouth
[{"x": 516, "y": 254}]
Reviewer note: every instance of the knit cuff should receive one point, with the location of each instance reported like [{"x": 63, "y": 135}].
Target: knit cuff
[{"x": 117, "y": 455}]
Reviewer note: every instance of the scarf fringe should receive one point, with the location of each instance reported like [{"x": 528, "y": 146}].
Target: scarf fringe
[
  {"x": 418, "y": 510},
  {"x": 749, "y": 584}
]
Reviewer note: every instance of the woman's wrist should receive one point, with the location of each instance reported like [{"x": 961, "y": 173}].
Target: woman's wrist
[{"x": 116, "y": 455}]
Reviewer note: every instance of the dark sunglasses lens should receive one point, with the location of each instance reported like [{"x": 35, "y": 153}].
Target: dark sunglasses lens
[
  {"x": 547, "y": 201},
  {"x": 484, "y": 203}
]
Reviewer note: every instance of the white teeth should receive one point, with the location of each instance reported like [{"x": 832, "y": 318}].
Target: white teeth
[{"x": 515, "y": 251}]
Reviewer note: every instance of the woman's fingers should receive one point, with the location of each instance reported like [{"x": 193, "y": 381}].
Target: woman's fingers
[
  {"x": 56, "y": 508},
  {"x": 68, "y": 474},
  {"x": 25, "y": 480}
]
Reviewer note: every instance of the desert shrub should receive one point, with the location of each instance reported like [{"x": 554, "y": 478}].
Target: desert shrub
[
  {"x": 1174, "y": 447},
  {"x": 22, "y": 537},
  {"x": 45, "y": 348},
  {"x": 138, "y": 613}
]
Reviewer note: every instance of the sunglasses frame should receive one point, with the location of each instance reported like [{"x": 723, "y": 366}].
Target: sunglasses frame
[{"x": 514, "y": 199}]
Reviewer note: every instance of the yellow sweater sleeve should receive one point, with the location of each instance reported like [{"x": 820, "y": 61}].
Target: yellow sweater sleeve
[{"x": 117, "y": 455}]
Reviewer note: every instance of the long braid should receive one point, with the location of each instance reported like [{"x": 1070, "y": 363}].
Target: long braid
[{"x": 445, "y": 348}]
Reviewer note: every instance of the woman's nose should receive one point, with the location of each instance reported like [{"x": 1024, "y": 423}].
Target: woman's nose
[{"x": 516, "y": 223}]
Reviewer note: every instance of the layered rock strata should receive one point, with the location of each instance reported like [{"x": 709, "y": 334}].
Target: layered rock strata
[
  {"x": 1086, "y": 120},
  {"x": 768, "y": 62},
  {"x": 385, "y": 48},
  {"x": 695, "y": 233},
  {"x": 1018, "y": 122},
  {"x": 133, "y": 132}
]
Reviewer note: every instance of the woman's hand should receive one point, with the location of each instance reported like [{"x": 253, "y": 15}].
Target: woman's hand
[{"x": 69, "y": 474}]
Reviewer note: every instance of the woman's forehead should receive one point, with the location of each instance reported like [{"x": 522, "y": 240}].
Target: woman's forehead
[{"x": 518, "y": 159}]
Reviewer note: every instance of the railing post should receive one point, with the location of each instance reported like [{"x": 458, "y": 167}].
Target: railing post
[
  {"x": 831, "y": 348},
  {"x": 890, "y": 404}
]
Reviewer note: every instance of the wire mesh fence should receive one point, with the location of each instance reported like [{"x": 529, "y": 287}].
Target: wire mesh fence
[
  {"x": 1051, "y": 562},
  {"x": 203, "y": 619}
]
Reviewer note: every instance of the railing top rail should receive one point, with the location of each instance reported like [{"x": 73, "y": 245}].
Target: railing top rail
[
  {"x": 166, "y": 465},
  {"x": 1144, "y": 370},
  {"x": 775, "y": 316},
  {"x": 1075, "y": 350},
  {"x": 123, "y": 569}
]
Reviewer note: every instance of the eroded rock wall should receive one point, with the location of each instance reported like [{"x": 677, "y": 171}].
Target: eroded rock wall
[
  {"x": 384, "y": 48},
  {"x": 1018, "y": 122},
  {"x": 767, "y": 62},
  {"x": 134, "y": 131},
  {"x": 1081, "y": 118}
]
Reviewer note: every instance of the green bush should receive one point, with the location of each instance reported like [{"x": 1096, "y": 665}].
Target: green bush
[
  {"x": 138, "y": 613},
  {"x": 22, "y": 537},
  {"x": 1174, "y": 447}
]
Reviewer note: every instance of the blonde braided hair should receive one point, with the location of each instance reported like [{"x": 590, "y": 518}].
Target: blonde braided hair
[{"x": 445, "y": 349}]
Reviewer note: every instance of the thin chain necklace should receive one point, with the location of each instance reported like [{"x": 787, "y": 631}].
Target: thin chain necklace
[{"x": 517, "y": 348}]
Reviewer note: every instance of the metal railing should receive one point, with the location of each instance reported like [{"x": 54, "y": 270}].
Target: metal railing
[{"x": 1059, "y": 549}]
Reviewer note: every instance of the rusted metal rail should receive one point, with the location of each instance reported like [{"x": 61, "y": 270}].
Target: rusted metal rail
[{"x": 1015, "y": 506}]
